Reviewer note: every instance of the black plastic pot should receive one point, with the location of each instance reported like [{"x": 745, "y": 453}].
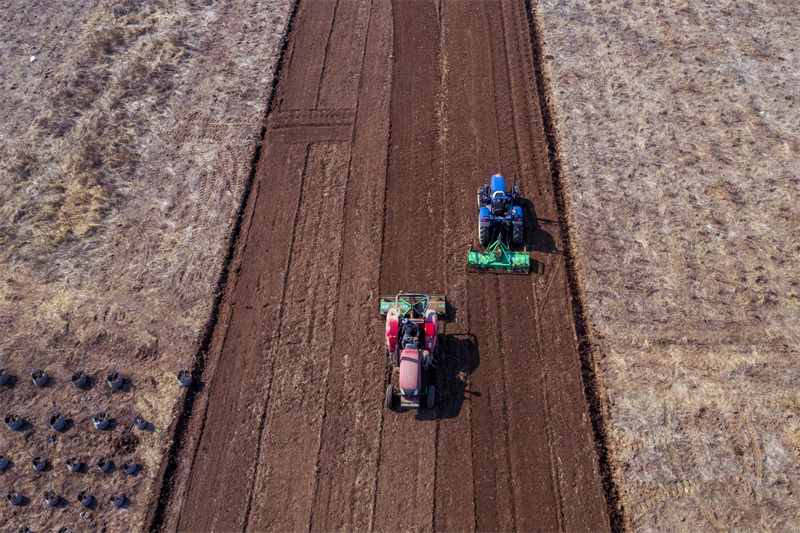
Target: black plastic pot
[
  {"x": 103, "y": 464},
  {"x": 116, "y": 499},
  {"x": 73, "y": 464},
  {"x": 13, "y": 421},
  {"x": 84, "y": 498},
  {"x": 14, "y": 498},
  {"x": 184, "y": 378},
  {"x": 38, "y": 464},
  {"x": 51, "y": 498},
  {"x": 114, "y": 380},
  {"x": 78, "y": 378},
  {"x": 129, "y": 466},
  {"x": 57, "y": 421},
  {"x": 39, "y": 378},
  {"x": 100, "y": 420}
]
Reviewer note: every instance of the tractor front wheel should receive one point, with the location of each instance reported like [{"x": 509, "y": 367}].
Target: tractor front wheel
[
  {"x": 430, "y": 397},
  {"x": 389, "y": 397},
  {"x": 517, "y": 236}
]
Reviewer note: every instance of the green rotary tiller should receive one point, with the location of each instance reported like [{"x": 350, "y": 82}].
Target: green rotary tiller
[{"x": 498, "y": 258}]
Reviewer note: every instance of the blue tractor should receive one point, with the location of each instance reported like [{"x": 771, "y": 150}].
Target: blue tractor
[{"x": 499, "y": 217}]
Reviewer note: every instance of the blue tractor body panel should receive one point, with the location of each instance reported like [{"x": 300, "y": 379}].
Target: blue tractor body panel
[
  {"x": 485, "y": 217},
  {"x": 516, "y": 217},
  {"x": 500, "y": 225},
  {"x": 498, "y": 183}
]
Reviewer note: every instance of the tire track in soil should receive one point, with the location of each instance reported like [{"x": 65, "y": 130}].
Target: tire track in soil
[
  {"x": 509, "y": 446},
  {"x": 412, "y": 253},
  {"x": 283, "y": 491},
  {"x": 287, "y": 473},
  {"x": 473, "y": 122},
  {"x": 514, "y": 408},
  {"x": 243, "y": 374},
  {"x": 348, "y": 457}
]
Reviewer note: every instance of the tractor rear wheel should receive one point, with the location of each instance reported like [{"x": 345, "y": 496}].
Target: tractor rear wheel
[
  {"x": 517, "y": 236},
  {"x": 483, "y": 233},
  {"x": 430, "y": 397},
  {"x": 389, "y": 397}
]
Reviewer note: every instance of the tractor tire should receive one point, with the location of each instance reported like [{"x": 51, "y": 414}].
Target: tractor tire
[
  {"x": 517, "y": 236},
  {"x": 483, "y": 234},
  {"x": 389, "y": 397},
  {"x": 430, "y": 397},
  {"x": 480, "y": 191}
]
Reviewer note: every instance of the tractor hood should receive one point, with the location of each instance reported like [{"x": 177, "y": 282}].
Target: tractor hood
[
  {"x": 410, "y": 372},
  {"x": 498, "y": 183}
]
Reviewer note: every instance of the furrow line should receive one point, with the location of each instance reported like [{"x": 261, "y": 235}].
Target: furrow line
[{"x": 263, "y": 418}]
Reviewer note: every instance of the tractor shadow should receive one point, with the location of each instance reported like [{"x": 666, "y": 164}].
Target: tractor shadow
[
  {"x": 537, "y": 239},
  {"x": 461, "y": 358}
]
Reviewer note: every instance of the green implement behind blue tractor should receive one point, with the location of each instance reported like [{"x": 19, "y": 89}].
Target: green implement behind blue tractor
[{"x": 498, "y": 258}]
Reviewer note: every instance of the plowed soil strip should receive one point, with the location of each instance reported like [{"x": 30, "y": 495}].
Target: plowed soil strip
[
  {"x": 387, "y": 117},
  {"x": 412, "y": 253},
  {"x": 348, "y": 457}
]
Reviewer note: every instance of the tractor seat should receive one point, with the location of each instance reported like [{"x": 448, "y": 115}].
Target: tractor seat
[{"x": 500, "y": 207}]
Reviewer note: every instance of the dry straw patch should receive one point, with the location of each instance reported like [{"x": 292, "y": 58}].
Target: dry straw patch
[
  {"x": 124, "y": 152},
  {"x": 677, "y": 126}
]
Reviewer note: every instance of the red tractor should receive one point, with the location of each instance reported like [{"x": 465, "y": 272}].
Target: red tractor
[{"x": 412, "y": 328}]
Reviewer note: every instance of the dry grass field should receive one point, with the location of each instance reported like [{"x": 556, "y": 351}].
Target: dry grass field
[
  {"x": 680, "y": 158},
  {"x": 127, "y": 133}
]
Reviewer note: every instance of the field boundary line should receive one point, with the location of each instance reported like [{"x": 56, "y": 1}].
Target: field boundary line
[
  {"x": 597, "y": 401},
  {"x": 182, "y": 438},
  {"x": 325, "y": 54}
]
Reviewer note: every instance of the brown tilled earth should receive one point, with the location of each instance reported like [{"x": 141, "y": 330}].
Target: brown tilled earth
[{"x": 386, "y": 119}]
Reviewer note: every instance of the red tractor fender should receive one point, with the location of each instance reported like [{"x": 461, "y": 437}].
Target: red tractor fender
[
  {"x": 392, "y": 327},
  {"x": 431, "y": 330}
]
